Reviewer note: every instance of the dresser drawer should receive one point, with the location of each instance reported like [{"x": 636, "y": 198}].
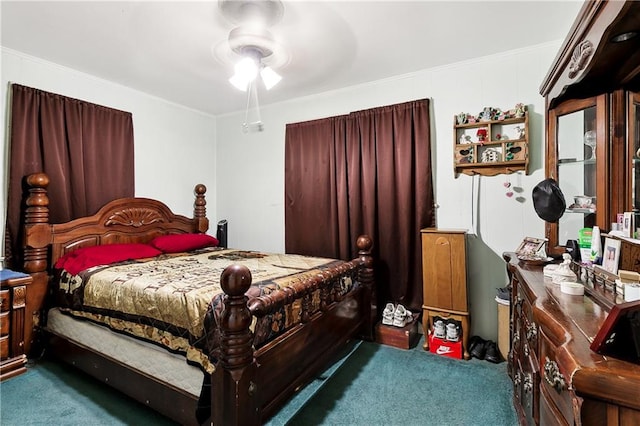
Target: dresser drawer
[
  {"x": 549, "y": 414},
  {"x": 555, "y": 382},
  {"x": 5, "y": 325},
  {"x": 4, "y": 347},
  {"x": 5, "y": 300}
]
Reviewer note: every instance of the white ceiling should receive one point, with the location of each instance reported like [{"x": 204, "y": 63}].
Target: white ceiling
[{"x": 167, "y": 48}]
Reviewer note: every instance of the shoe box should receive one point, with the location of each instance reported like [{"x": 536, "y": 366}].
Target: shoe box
[
  {"x": 445, "y": 338},
  {"x": 445, "y": 347},
  {"x": 400, "y": 337}
]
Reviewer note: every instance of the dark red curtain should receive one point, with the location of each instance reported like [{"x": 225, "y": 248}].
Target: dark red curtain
[
  {"x": 366, "y": 172},
  {"x": 86, "y": 149}
]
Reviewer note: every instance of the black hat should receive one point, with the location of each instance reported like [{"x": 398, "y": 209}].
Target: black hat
[{"x": 548, "y": 200}]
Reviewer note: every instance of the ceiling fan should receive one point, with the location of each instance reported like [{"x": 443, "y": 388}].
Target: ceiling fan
[{"x": 253, "y": 44}]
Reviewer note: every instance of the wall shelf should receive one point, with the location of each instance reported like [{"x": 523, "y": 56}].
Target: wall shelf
[{"x": 502, "y": 148}]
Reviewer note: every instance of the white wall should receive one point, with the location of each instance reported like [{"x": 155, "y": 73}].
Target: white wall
[
  {"x": 174, "y": 146},
  {"x": 250, "y": 168}
]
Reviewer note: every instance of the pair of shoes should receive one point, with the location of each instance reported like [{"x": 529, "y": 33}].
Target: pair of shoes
[
  {"x": 402, "y": 316},
  {"x": 398, "y": 316},
  {"x": 484, "y": 349}
]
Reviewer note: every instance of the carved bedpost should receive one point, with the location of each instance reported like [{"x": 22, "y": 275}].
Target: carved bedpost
[
  {"x": 233, "y": 398},
  {"x": 37, "y": 237},
  {"x": 367, "y": 280},
  {"x": 200, "y": 208}
]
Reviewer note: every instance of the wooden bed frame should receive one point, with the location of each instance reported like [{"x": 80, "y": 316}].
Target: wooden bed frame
[{"x": 249, "y": 384}]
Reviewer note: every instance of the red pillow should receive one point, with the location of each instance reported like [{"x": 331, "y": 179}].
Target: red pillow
[
  {"x": 86, "y": 257},
  {"x": 176, "y": 243}
]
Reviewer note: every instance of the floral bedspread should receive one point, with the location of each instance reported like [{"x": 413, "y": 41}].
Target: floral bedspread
[{"x": 173, "y": 300}]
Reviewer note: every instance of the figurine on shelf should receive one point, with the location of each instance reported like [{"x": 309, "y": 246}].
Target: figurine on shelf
[
  {"x": 461, "y": 118},
  {"x": 482, "y": 135},
  {"x": 564, "y": 273},
  {"x": 486, "y": 114},
  {"x": 465, "y": 139},
  {"x": 471, "y": 119},
  {"x": 519, "y": 110},
  {"x": 519, "y": 132}
]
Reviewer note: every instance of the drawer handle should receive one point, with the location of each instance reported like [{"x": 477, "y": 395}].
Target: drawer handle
[
  {"x": 517, "y": 379},
  {"x": 528, "y": 383},
  {"x": 553, "y": 376},
  {"x": 532, "y": 331}
]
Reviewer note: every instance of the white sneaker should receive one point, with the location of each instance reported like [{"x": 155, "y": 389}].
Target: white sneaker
[
  {"x": 453, "y": 331},
  {"x": 438, "y": 329},
  {"x": 402, "y": 316},
  {"x": 387, "y": 314}
]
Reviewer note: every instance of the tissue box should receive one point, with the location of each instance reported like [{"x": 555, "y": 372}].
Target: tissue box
[{"x": 631, "y": 292}]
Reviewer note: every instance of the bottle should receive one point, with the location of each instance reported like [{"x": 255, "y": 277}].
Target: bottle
[
  {"x": 584, "y": 241},
  {"x": 596, "y": 247}
]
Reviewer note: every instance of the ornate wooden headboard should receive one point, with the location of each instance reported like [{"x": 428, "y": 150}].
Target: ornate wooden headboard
[{"x": 125, "y": 220}]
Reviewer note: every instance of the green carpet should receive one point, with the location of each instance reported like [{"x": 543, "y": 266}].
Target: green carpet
[
  {"x": 382, "y": 385},
  {"x": 371, "y": 385}
]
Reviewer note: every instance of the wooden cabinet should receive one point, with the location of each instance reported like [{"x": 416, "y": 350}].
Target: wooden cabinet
[
  {"x": 13, "y": 297},
  {"x": 557, "y": 378},
  {"x": 444, "y": 279},
  {"x": 592, "y": 115},
  {"x": 503, "y": 148}
]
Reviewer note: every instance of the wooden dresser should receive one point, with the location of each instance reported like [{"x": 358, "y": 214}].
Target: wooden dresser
[
  {"x": 13, "y": 297},
  {"x": 557, "y": 378},
  {"x": 444, "y": 279}
]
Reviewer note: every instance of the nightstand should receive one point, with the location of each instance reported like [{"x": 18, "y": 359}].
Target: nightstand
[{"x": 13, "y": 298}]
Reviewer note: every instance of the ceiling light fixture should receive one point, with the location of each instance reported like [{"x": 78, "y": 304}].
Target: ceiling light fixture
[
  {"x": 255, "y": 46},
  {"x": 249, "y": 67}
]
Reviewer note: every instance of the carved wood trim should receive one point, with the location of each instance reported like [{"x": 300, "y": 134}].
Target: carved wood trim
[
  {"x": 135, "y": 217},
  {"x": 581, "y": 54}
]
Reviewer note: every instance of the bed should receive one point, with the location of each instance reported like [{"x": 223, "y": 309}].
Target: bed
[{"x": 241, "y": 352}]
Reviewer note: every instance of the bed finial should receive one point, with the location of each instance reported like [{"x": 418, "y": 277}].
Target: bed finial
[
  {"x": 36, "y": 239},
  {"x": 236, "y": 368},
  {"x": 200, "y": 208}
]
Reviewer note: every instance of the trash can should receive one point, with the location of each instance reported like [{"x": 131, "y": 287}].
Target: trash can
[{"x": 502, "y": 300}]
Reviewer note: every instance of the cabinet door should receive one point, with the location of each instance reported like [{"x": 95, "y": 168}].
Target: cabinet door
[
  {"x": 633, "y": 176},
  {"x": 577, "y": 157},
  {"x": 444, "y": 271}
]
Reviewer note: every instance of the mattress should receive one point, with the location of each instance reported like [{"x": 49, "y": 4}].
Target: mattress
[{"x": 146, "y": 357}]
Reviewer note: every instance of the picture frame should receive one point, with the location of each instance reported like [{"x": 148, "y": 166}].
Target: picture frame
[
  {"x": 627, "y": 224},
  {"x": 531, "y": 247},
  {"x": 611, "y": 255},
  {"x": 619, "y": 335}
]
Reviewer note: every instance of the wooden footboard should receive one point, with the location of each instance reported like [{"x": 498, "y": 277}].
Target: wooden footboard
[{"x": 258, "y": 381}]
